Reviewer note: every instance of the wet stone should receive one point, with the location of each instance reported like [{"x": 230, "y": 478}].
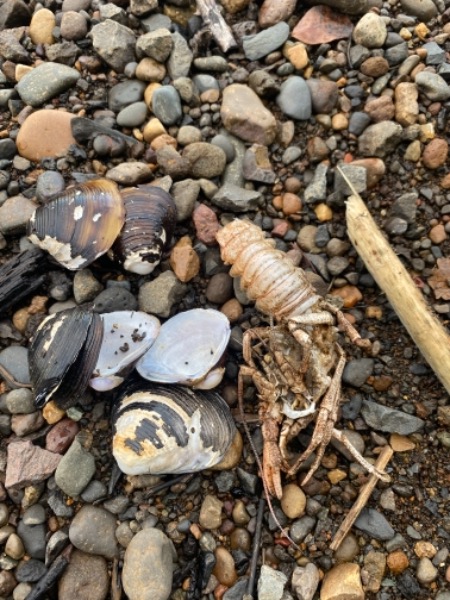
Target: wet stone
[
  {"x": 45, "y": 82},
  {"x": 30, "y": 571}
]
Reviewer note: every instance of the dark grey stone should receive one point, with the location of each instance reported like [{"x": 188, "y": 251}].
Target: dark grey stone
[
  {"x": 387, "y": 419},
  {"x": 357, "y": 371},
  {"x": 374, "y": 524}
]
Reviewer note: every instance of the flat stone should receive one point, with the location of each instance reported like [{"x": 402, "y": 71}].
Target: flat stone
[
  {"x": 93, "y": 531},
  {"x": 15, "y": 214},
  {"x": 237, "y": 199},
  {"x": 244, "y": 115},
  {"x": 433, "y": 86},
  {"x": 423, "y": 9},
  {"x": 342, "y": 582},
  {"x": 180, "y": 60},
  {"x": 28, "y": 464},
  {"x": 85, "y": 578},
  {"x": 388, "y": 419},
  {"x": 15, "y": 360},
  {"x": 266, "y": 41},
  {"x": 271, "y": 584},
  {"x": 374, "y": 524},
  {"x": 380, "y": 139},
  {"x": 46, "y": 81},
  {"x": 148, "y": 566},
  {"x": 37, "y": 140}
]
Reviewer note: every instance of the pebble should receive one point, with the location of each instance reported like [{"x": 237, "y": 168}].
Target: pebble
[
  {"x": 30, "y": 571},
  {"x": 342, "y": 581},
  {"x": 156, "y": 44},
  {"x": 380, "y": 139},
  {"x": 294, "y": 98},
  {"x": 266, "y": 41},
  {"x": 85, "y": 578},
  {"x": 148, "y": 566},
  {"x": 33, "y": 538},
  {"x": 42, "y": 24},
  {"x": 73, "y": 26},
  {"x": 181, "y": 56},
  {"x": 211, "y": 512},
  {"x": 28, "y": 464},
  {"x": 85, "y": 286},
  {"x": 348, "y": 549},
  {"x": 224, "y": 569},
  {"x": 374, "y": 524},
  {"x": 15, "y": 214},
  {"x": 426, "y": 572},
  {"x": 433, "y": 86},
  {"x": 75, "y": 470},
  {"x": 370, "y": 31},
  {"x": 114, "y": 43},
  {"x": 271, "y": 584},
  {"x": 46, "y": 81},
  {"x": 424, "y": 549},
  {"x": 383, "y": 418},
  {"x": 159, "y": 295},
  {"x": 61, "y": 436},
  {"x": 125, "y": 93},
  {"x": 397, "y": 562},
  {"x": 357, "y": 371},
  {"x": 305, "y": 581},
  {"x": 130, "y": 173},
  {"x": 14, "y": 547},
  {"x": 244, "y": 115},
  {"x": 150, "y": 70},
  {"x": 184, "y": 260},
  {"x": 185, "y": 194},
  {"x": 166, "y": 105},
  {"x": 20, "y": 401},
  {"x": 205, "y": 160},
  {"x": 425, "y": 10},
  {"x": 300, "y": 528},
  {"x": 133, "y": 115},
  {"x": 293, "y": 501},
  {"x": 236, "y": 199},
  {"x": 206, "y": 224},
  {"x": 114, "y": 298},
  {"x": 373, "y": 571},
  {"x": 92, "y": 530},
  {"x": 435, "y": 153},
  {"x": 257, "y": 166}
]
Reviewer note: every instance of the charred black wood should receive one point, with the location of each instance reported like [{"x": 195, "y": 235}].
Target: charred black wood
[
  {"x": 46, "y": 583},
  {"x": 21, "y": 276}
]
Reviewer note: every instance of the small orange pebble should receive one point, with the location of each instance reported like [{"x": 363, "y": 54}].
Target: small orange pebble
[
  {"x": 292, "y": 203},
  {"x": 38, "y": 304},
  {"x": 348, "y": 157},
  {"x": 401, "y": 443},
  {"x": 277, "y": 202},
  {"x": 232, "y": 309},
  {"x": 349, "y": 294},
  {"x": 163, "y": 140},
  {"x": 397, "y": 562},
  {"x": 323, "y": 212},
  {"x": 374, "y": 312},
  {"x": 52, "y": 413},
  {"x": 196, "y": 531}
]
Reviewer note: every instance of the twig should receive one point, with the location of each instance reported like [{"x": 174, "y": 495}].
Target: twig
[
  {"x": 46, "y": 582},
  {"x": 214, "y": 20},
  {"x": 361, "y": 501},
  {"x": 116, "y": 584},
  {"x": 391, "y": 276},
  {"x": 256, "y": 547},
  {"x": 159, "y": 487}
]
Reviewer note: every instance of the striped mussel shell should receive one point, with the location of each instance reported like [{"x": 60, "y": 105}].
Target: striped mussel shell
[
  {"x": 188, "y": 350},
  {"x": 149, "y": 224},
  {"x": 75, "y": 348},
  {"x": 79, "y": 224},
  {"x": 172, "y": 429}
]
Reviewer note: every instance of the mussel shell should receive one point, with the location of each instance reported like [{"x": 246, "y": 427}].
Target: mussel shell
[
  {"x": 169, "y": 429},
  {"x": 79, "y": 224},
  {"x": 149, "y": 224},
  {"x": 189, "y": 345},
  {"x": 63, "y": 354},
  {"x": 127, "y": 335}
]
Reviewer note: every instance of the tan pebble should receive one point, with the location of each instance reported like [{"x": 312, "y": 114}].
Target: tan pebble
[
  {"x": 293, "y": 501},
  {"x": 224, "y": 570},
  {"x": 342, "y": 582},
  {"x": 297, "y": 55},
  {"x": 38, "y": 305},
  {"x": 37, "y": 139},
  {"x": 406, "y": 105},
  {"x": 232, "y": 309},
  {"x": 437, "y": 234},
  {"x": 424, "y": 549},
  {"x": 336, "y": 475},
  {"x": 211, "y": 512},
  {"x": 397, "y": 562},
  {"x": 292, "y": 184},
  {"x": 163, "y": 140},
  {"x": 324, "y": 120},
  {"x": 373, "y": 571},
  {"x": 381, "y": 383},
  {"x": 240, "y": 514},
  {"x": 401, "y": 443},
  {"x": 413, "y": 151},
  {"x": 234, "y": 6},
  {"x": 210, "y": 96},
  {"x": 196, "y": 531},
  {"x": 348, "y": 549},
  {"x": 427, "y": 132},
  {"x": 339, "y": 122},
  {"x": 41, "y": 27},
  {"x": 292, "y": 204},
  {"x": 323, "y": 212},
  {"x": 52, "y": 413},
  {"x": 350, "y": 295},
  {"x": 14, "y": 547},
  {"x": 375, "y": 66},
  {"x": 232, "y": 456},
  {"x": 148, "y": 93},
  {"x": 422, "y": 32},
  {"x": 21, "y": 71},
  {"x": 405, "y": 33},
  {"x": 374, "y": 312},
  {"x": 151, "y": 70},
  {"x": 435, "y": 153},
  {"x": 153, "y": 129},
  {"x": 20, "y": 319},
  {"x": 426, "y": 572},
  {"x": 184, "y": 260}
]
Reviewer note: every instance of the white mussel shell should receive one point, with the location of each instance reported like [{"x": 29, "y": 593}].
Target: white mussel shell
[
  {"x": 188, "y": 347},
  {"x": 127, "y": 335},
  {"x": 170, "y": 429}
]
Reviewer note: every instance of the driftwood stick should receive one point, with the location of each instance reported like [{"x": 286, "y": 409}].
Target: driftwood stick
[
  {"x": 47, "y": 581},
  {"x": 214, "y": 20},
  {"x": 391, "y": 276},
  {"x": 361, "y": 501}
]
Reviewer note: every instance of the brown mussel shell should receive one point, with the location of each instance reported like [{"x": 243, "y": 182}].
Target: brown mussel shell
[
  {"x": 161, "y": 429},
  {"x": 63, "y": 354},
  {"x": 149, "y": 224},
  {"x": 79, "y": 224}
]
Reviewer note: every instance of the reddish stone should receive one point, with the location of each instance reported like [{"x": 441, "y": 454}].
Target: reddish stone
[
  {"x": 206, "y": 224},
  {"x": 28, "y": 464},
  {"x": 435, "y": 154},
  {"x": 320, "y": 25},
  {"x": 61, "y": 436}
]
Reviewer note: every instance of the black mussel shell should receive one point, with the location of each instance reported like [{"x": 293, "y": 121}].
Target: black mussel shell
[
  {"x": 149, "y": 224},
  {"x": 63, "y": 355},
  {"x": 173, "y": 429}
]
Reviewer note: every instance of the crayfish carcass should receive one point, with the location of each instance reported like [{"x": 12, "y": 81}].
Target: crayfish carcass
[{"x": 296, "y": 365}]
